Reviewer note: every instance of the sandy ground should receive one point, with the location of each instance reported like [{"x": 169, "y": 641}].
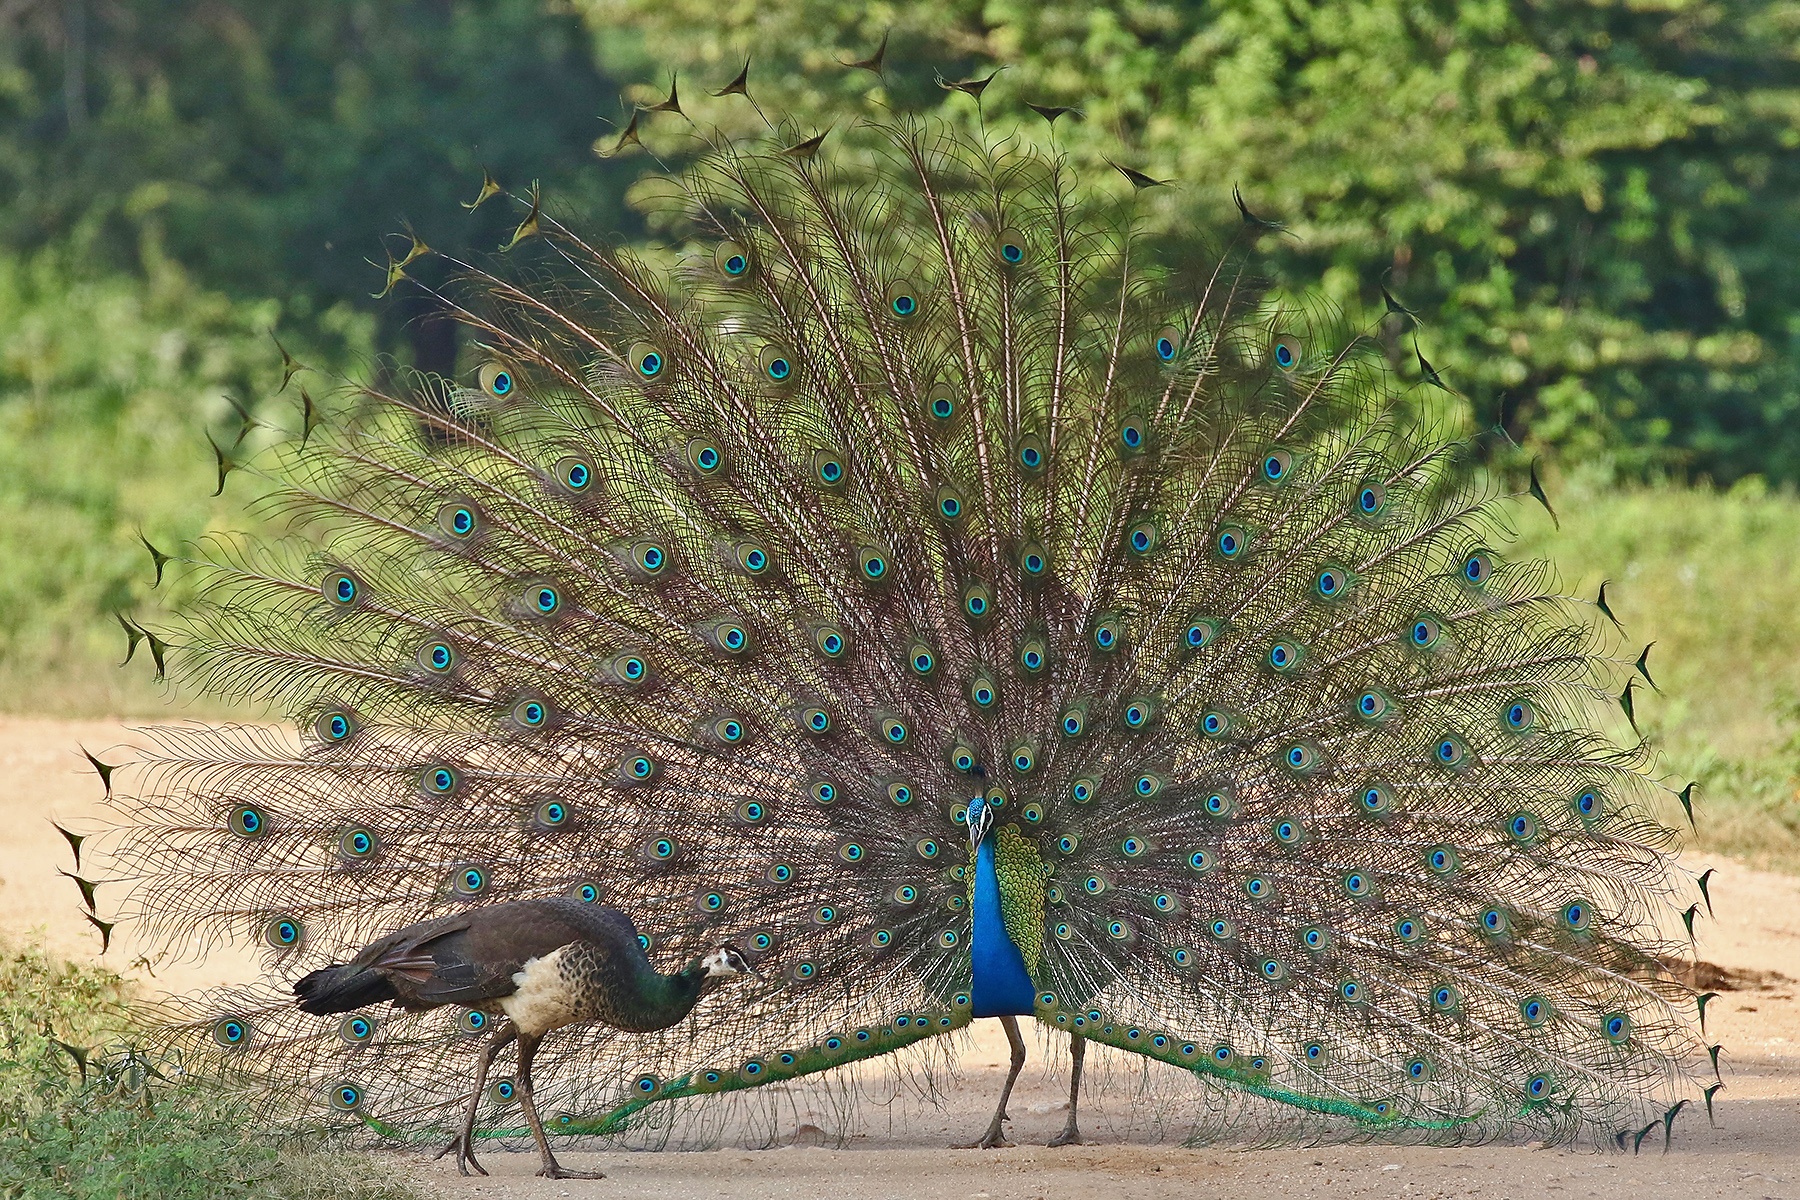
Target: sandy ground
[{"x": 1753, "y": 946}]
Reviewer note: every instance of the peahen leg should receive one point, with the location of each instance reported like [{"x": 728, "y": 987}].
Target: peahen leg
[
  {"x": 1070, "y": 1135},
  {"x": 995, "y": 1137},
  {"x": 464, "y": 1143},
  {"x": 551, "y": 1169}
]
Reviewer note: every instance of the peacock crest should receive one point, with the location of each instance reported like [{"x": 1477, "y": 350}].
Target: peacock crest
[{"x": 717, "y": 590}]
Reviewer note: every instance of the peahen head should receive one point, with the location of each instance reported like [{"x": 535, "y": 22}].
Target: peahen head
[{"x": 726, "y": 962}]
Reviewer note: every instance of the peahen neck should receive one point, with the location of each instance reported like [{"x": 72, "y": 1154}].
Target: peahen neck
[
  {"x": 1001, "y": 984},
  {"x": 652, "y": 1000}
]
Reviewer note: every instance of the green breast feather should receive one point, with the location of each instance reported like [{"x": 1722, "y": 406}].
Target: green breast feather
[{"x": 1021, "y": 872}]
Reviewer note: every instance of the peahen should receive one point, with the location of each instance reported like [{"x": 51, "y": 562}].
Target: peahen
[
  {"x": 540, "y": 965},
  {"x": 905, "y": 577}
]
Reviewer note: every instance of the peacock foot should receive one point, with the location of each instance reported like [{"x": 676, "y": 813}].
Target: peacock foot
[
  {"x": 1070, "y": 1136},
  {"x": 465, "y": 1155},
  {"x": 993, "y": 1139}
]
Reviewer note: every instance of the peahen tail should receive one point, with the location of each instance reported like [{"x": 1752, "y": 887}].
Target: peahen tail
[
  {"x": 341, "y": 987},
  {"x": 708, "y": 590}
]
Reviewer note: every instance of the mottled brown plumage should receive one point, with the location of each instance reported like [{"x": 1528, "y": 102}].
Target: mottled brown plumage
[{"x": 540, "y": 964}]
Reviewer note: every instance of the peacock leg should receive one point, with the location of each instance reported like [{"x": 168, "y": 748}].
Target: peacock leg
[
  {"x": 464, "y": 1143},
  {"x": 1071, "y": 1136},
  {"x": 528, "y": 1045},
  {"x": 995, "y": 1137}
]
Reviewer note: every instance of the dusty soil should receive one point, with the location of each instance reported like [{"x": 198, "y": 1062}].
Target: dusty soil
[{"x": 1751, "y": 956}]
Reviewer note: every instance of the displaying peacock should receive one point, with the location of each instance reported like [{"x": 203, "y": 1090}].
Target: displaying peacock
[{"x": 906, "y": 579}]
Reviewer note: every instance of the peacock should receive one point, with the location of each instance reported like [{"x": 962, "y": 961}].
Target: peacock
[{"x": 914, "y": 578}]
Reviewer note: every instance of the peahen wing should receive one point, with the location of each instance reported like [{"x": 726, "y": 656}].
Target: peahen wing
[{"x": 709, "y": 597}]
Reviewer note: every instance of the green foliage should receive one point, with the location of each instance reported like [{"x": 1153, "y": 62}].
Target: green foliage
[
  {"x": 1594, "y": 205},
  {"x": 269, "y": 146},
  {"x": 108, "y": 390},
  {"x": 84, "y": 1114},
  {"x": 1711, "y": 579}
]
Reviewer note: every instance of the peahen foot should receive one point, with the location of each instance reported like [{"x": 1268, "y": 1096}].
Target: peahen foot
[{"x": 465, "y": 1155}]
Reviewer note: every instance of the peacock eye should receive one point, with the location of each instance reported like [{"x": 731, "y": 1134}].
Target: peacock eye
[
  {"x": 1168, "y": 343},
  {"x": 902, "y": 299},
  {"x": 497, "y": 380},
  {"x": 646, "y": 359},
  {"x": 1011, "y": 245},
  {"x": 776, "y": 364}
]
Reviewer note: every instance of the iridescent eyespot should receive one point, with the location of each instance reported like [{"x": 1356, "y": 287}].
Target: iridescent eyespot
[
  {"x": 1617, "y": 1027},
  {"x": 1477, "y": 569},
  {"x": 983, "y": 691},
  {"x": 900, "y": 794},
  {"x": 497, "y": 380},
  {"x": 1034, "y": 560},
  {"x": 1132, "y": 435},
  {"x": 1371, "y": 500},
  {"x": 1258, "y": 888},
  {"x": 1358, "y": 884},
  {"x": 439, "y": 780},
  {"x": 551, "y": 814},
  {"x": 1286, "y": 352},
  {"x": 881, "y": 938},
  {"x": 830, "y": 641},
  {"x": 1133, "y": 847},
  {"x": 646, "y": 359},
  {"x": 962, "y": 757},
  {"x": 1424, "y": 632},
  {"x": 1376, "y": 799},
  {"x": 732, "y": 259},
  {"x": 941, "y": 402},
  {"x": 1351, "y": 991},
  {"x": 710, "y": 902},
  {"x": 586, "y": 892},
  {"x": 1068, "y": 843},
  {"x": 660, "y": 849},
  {"x": 1301, "y": 758},
  {"x": 638, "y": 768},
  {"x": 1201, "y": 633},
  {"x": 358, "y": 843},
  {"x": 1222, "y": 929},
  {"x": 470, "y": 881},
  {"x": 1231, "y": 542},
  {"x": 1418, "y": 1070},
  {"x": 1029, "y": 453},
  {"x": 1083, "y": 790},
  {"x": 1535, "y": 1010},
  {"x": 1588, "y": 804},
  {"x": 1450, "y": 752},
  {"x": 728, "y": 730},
  {"x": 1523, "y": 828},
  {"x": 356, "y": 1030},
  {"x": 1034, "y": 654},
  {"x": 335, "y": 726},
  {"x": 1442, "y": 860},
  {"x": 1313, "y": 1051},
  {"x": 906, "y": 893},
  {"x": 1538, "y": 1087},
  {"x": 1109, "y": 634},
  {"x": 1011, "y": 245},
  {"x": 346, "y": 1097},
  {"x": 1445, "y": 998},
  {"x": 1409, "y": 930},
  {"x": 775, "y": 364},
  {"x": 1218, "y": 804},
  {"x": 1519, "y": 716},
  {"x": 1277, "y": 465},
  {"x": 1167, "y": 343},
  {"x": 779, "y": 873},
  {"x": 1202, "y": 861},
  {"x": 705, "y": 457},
  {"x": 894, "y": 731},
  {"x": 815, "y": 720},
  {"x": 751, "y": 812},
  {"x": 1074, "y": 722},
  {"x": 1289, "y": 833},
  {"x": 1577, "y": 915},
  {"x": 573, "y": 474},
  {"x": 822, "y": 791},
  {"x": 1373, "y": 705},
  {"x": 248, "y": 821},
  {"x": 1147, "y": 785},
  {"x": 473, "y": 1021},
  {"x": 1143, "y": 537},
  {"x": 342, "y": 588},
  {"x": 1331, "y": 583},
  {"x": 949, "y": 503},
  {"x": 1315, "y": 939},
  {"x": 1283, "y": 657},
  {"x": 902, "y": 299},
  {"x": 978, "y": 599},
  {"x": 231, "y": 1032},
  {"x": 283, "y": 933},
  {"x": 872, "y": 564},
  {"x": 1138, "y": 713},
  {"x": 1023, "y": 759},
  {"x": 458, "y": 519},
  {"x": 1494, "y": 922}
]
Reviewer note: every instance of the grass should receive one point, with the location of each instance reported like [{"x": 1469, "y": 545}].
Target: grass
[
  {"x": 1713, "y": 579},
  {"x": 85, "y": 1115}
]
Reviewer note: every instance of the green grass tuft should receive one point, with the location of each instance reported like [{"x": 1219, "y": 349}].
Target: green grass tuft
[{"x": 84, "y": 1114}]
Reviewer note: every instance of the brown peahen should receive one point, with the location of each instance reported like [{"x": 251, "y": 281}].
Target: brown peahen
[
  {"x": 905, "y": 577},
  {"x": 540, "y": 965}
]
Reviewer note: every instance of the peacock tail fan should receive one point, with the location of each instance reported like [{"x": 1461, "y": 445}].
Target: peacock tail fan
[{"x": 705, "y": 595}]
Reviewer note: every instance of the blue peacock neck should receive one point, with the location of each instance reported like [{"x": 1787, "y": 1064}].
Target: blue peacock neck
[{"x": 1002, "y": 985}]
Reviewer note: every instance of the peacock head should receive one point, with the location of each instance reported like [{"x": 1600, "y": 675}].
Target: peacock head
[
  {"x": 725, "y": 962},
  {"x": 981, "y": 820}
]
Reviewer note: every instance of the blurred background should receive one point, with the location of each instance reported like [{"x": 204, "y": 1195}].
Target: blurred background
[{"x": 1593, "y": 207}]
